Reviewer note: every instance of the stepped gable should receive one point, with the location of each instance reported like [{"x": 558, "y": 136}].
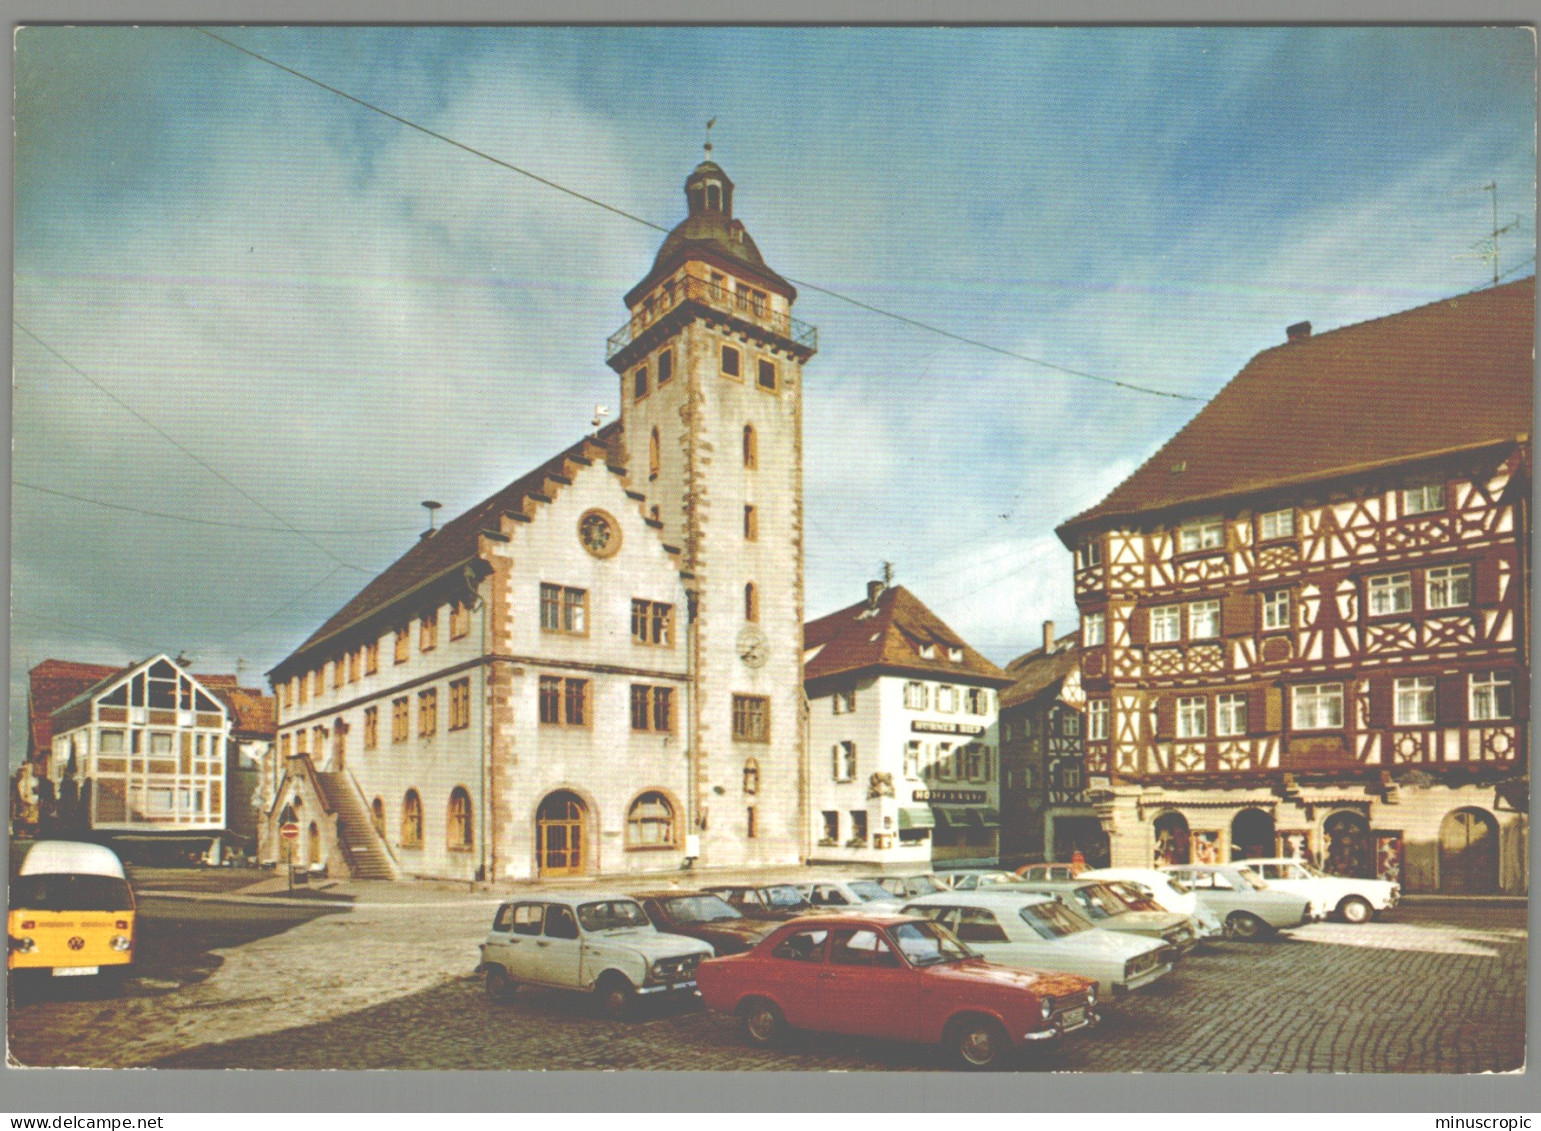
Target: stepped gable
[
  {"x": 458, "y": 540},
  {"x": 1035, "y": 672},
  {"x": 1454, "y": 374},
  {"x": 888, "y": 638},
  {"x": 52, "y": 684}
]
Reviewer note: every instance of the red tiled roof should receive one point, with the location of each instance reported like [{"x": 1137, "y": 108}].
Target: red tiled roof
[
  {"x": 856, "y": 639},
  {"x": 251, "y": 712},
  {"x": 454, "y": 543},
  {"x": 1035, "y": 672},
  {"x": 1455, "y": 374},
  {"x": 52, "y": 684}
]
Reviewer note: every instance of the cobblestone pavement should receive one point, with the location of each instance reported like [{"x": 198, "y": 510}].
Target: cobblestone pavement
[{"x": 1431, "y": 989}]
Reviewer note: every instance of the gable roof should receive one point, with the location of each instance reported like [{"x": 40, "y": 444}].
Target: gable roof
[
  {"x": 1453, "y": 375},
  {"x": 457, "y": 542},
  {"x": 859, "y": 639},
  {"x": 1036, "y": 672},
  {"x": 52, "y": 684},
  {"x": 250, "y": 711}
]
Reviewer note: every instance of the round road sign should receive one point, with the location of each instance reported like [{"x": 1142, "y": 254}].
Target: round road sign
[{"x": 289, "y": 830}]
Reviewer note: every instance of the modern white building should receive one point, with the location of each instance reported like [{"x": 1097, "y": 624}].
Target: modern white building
[
  {"x": 903, "y": 764},
  {"x": 597, "y": 670}
]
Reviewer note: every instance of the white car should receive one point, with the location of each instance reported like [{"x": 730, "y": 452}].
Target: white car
[
  {"x": 598, "y": 942},
  {"x": 979, "y": 879},
  {"x": 1355, "y": 900},
  {"x": 1033, "y": 931},
  {"x": 1169, "y": 892},
  {"x": 856, "y": 895}
]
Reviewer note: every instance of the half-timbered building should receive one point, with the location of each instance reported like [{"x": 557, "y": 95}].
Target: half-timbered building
[{"x": 1305, "y": 619}]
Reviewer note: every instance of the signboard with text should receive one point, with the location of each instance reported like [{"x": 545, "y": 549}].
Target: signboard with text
[
  {"x": 938, "y": 726},
  {"x": 952, "y": 796}
]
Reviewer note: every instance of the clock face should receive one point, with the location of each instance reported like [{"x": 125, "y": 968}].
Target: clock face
[
  {"x": 599, "y": 534},
  {"x": 752, "y": 646}
]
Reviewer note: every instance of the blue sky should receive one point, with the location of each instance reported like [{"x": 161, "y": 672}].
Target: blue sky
[{"x": 345, "y": 317}]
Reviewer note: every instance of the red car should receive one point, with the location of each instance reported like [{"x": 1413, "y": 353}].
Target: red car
[{"x": 898, "y": 977}]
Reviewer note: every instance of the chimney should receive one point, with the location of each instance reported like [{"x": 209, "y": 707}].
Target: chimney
[
  {"x": 874, "y": 591},
  {"x": 1048, "y": 637},
  {"x": 1299, "y": 332}
]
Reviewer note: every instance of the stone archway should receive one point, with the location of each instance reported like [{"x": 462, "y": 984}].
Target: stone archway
[
  {"x": 1347, "y": 848},
  {"x": 1252, "y": 834},
  {"x": 1468, "y": 852},
  {"x": 1171, "y": 832},
  {"x": 562, "y": 845}
]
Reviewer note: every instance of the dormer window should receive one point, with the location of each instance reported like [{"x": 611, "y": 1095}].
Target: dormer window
[
  {"x": 1089, "y": 554},
  {"x": 955, "y": 655},
  {"x": 928, "y": 651}
]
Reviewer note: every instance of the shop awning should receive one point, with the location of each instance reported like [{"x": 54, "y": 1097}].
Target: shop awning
[
  {"x": 961, "y": 818},
  {"x": 941, "y": 817},
  {"x": 918, "y": 817}
]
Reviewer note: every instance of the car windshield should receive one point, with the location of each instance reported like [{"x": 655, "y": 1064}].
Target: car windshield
[
  {"x": 1098, "y": 901},
  {"x": 1053, "y": 920},
  {"x": 924, "y": 885},
  {"x": 869, "y": 890},
  {"x": 700, "y": 909},
  {"x": 784, "y": 895},
  {"x": 1177, "y": 885},
  {"x": 611, "y": 914},
  {"x": 926, "y": 944},
  {"x": 1251, "y": 878},
  {"x": 1134, "y": 898},
  {"x": 70, "y": 892}
]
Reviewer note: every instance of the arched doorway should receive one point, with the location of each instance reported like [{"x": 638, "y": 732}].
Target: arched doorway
[
  {"x": 1348, "y": 851},
  {"x": 559, "y": 835},
  {"x": 1171, "y": 829},
  {"x": 1251, "y": 834},
  {"x": 1468, "y": 852}
]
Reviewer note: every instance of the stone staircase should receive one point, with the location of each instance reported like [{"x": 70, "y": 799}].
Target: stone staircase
[{"x": 367, "y": 855}]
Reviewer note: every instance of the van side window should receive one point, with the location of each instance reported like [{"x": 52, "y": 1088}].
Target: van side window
[
  {"x": 505, "y": 918},
  {"x": 527, "y": 917},
  {"x": 560, "y": 923}
]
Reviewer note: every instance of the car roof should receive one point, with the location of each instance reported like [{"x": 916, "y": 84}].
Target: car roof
[
  {"x": 847, "y": 919},
  {"x": 54, "y": 857},
  {"x": 569, "y": 898},
  {"x": 668, "y": 893},
  {"x": 990, "y": 897},
  {"x": 1056, "y": 885}
]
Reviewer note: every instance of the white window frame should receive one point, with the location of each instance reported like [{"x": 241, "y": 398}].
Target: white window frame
[
  {"x": 1424, "y": 499},
  {"x": 944, "y": 761},
  {"x": 914, "y": 755},
  {"x": 1382, "y": 593},
  {"x": 1314, "y": 705},
  {"x": 1166, "y": 625},
  {"x": 1230, "y": 714},
  {"x": 1277, "y": 607},
  {"x": 917, "y": 696},
  {"x": 1089, "y": 554},
  {"x": 1201, "y": 534},
  {"x": 1070, "y": 724},
  {"x": 1097, "y": 719},
  {"x": 1192, "y": 716},
  {"x": 947, "y": 699},
  {"x": 1209, "y": 627},
  {"x": 1276, "y": 524},
  {"x": 1486, "y": 692},
  {"x": 1094, "y": 630},
  {"x": 1413, "y": 701},
  {"x": 843, "y": 758},
  {"x": 1447, "y": 587}
]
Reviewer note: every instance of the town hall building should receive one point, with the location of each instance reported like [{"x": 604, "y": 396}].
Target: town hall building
[{"x": 597, "y": 670}]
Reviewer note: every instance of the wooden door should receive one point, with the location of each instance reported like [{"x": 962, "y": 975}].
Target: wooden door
[
  {"x": 559, "y": 836},
  {"x": 1468, "y": 853}
]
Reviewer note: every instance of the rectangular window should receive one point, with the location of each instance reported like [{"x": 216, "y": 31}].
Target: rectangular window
[
  {"x": 403, "y": 644},
  {"x": 1230, "y": 714},
  {"x": 944, "y": 766},
  {"x": 652, "y": 708},
  {"x": 665, "y": 368},
  {"x": 564, "y": 609},
  {"x": 1448, "y": 587},
  {"x": 652, "y": 622},
  {"x": 767, "y": 378},
  {"x": 1391, "y": 593},
  {"x": 1192, "y": 717},
  {"x": 459, "y": 620},
  {"x": 974, "y": 761},
  {"x": 460, "y": 704},
  {"x": 915, "y": 695},
  {"x": 563, "y": 702},
  {"x": 843, "y": 755},
  {"x": 1317, "y": 706},
  {"x": 912, "y": 755},
  {"x": 1097, "y": 719},
  {"x": 1276, "y": 610},
  {"x": 401, "y": 719},
  {"x": 751, "y": 823},
  {"x": 371, "y": 727},
  {"x": 1422, "y": 500},
  {"x": 1202, "y": 534},
  {"x": 427, "y": 712},
  {"x": 751, "y": 524},
  {"x": 1414, "y": 702},
  {"x": 550, "y": 699},
  {"x": 1070, "y": 724},
  {"x": 339, "y": 675},
  {"x": 318, "y": 681},
  {"x": 639, "y": 383},
  {"x": 1492, "y": 696},
  {"x": 946, "y": 699},
  {"x": 1089, "y": 554},
  {"x": 302, "y": 688},
  {"x": 372, "y": 657},
  {"x": 859, "y": 825},
  {"x": 730, "y": 362},
  {"x": 843, "y": 702},
  {"x": 285, "y": 746},
  {"x": 1203, "y": 620},
  {"x": 976, "y": 701},
  {"x": 1094, "y": 630},
  {"x": 751, "y": 718},
  {"x": 832, "y": 825},
  {"x": 1276, "y": 524},
  {"x": 354, "y": 656},
  {"x": 428, "y": 631},
  {"x": 1166, "y": 624}
]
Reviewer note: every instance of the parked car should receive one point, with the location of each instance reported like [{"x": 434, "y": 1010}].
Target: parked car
[
  {"x": 1169, "y": 893},
  {"x": 1247, "y": 906},
  {"x": 976, "y": 879},
  {"x": 1050, "y": 871},
  {"x": 776, "y": 902},
  {"x": 834, "y": 894},
  {"x": 597, "y": 942},
  {"x": 1356, "y": 900},
  {"x": 1103, "y": 906},
  {"x": 71, "y": 914},
  {"x": 895, "y": 977},
  {"x": 702, "y": 915},
  {"x": 911, "y": 887},
  {"x": 1034, "y": 931}
]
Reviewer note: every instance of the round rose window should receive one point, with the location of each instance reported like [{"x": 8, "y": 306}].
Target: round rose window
[{"x": 599, "y": 534}]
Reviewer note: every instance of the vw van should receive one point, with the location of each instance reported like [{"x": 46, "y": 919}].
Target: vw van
[{"x": 71, "y": 914}]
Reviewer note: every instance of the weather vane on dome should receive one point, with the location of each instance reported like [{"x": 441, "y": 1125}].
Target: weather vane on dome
[{"x": 709, "y": 124}]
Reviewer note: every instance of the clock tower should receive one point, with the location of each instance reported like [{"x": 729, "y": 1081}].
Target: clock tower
[{"x": 710, "y": 364}]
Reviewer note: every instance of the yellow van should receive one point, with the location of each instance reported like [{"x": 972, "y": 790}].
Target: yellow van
[{"x": 71, "y": 914}]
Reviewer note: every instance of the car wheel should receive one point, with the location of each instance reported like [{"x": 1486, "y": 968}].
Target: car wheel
[
  {"x": 1243, "y": 925},
  {"x": 500, "y": 987},
  {"x": 616, "y": 997},
  {"x": 979, "y": 1043},
  {"x": 1356, "y": 909},
  {"x": 762, "y": 1022}
]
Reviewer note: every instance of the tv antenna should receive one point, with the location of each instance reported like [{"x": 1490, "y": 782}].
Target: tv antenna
[{"x": 1487, "y": 247}]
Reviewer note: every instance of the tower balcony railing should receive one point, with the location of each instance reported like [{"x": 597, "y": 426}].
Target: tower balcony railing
[{"x": 749, "y": 305}]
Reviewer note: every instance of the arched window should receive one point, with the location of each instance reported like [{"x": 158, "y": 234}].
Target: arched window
[
  {"x": 751, "y": 602},
  {"x": 751, "y": 777},
  {"x": 313, "y": 845},
  {"x": 714, "y": 198},
  {"x": 650, "y": 822},
  {"x": 377, "y": 816},
  {"x": 751, "y": 448},
  {"x": 654, "y": 455},
  {"x": 459, "y": 826},
  {"x": 412, "y": 820}
]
